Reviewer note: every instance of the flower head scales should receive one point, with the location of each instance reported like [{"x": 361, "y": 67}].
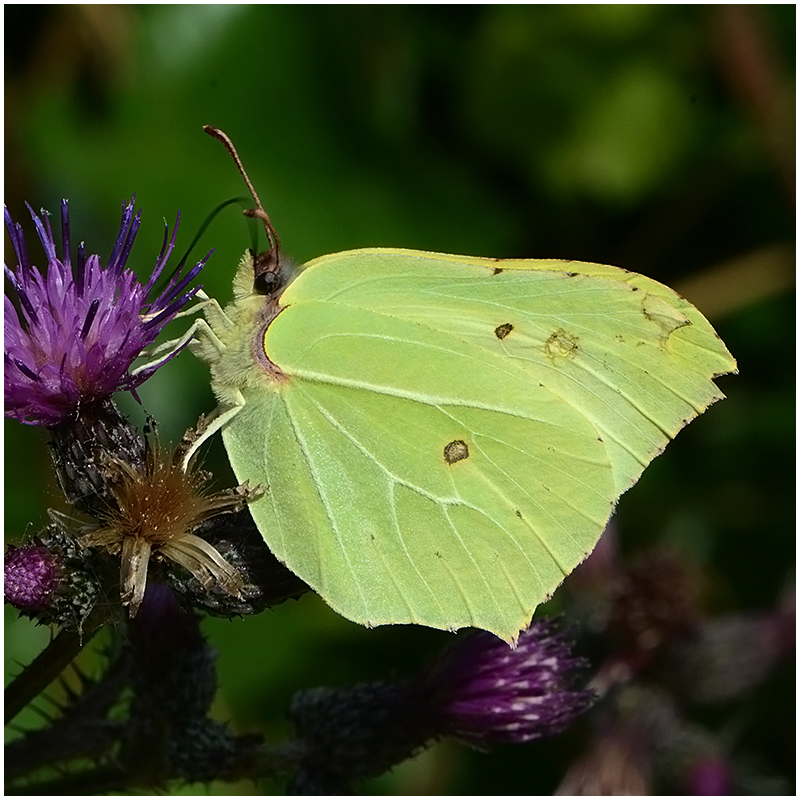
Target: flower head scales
[{"x": 79, "y": 329}]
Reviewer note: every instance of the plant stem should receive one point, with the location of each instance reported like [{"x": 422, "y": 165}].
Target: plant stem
[{"x": 45, "y": 668}]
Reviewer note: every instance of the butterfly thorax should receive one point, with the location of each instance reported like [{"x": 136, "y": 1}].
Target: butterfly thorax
[{"x": 234, "y": 347}]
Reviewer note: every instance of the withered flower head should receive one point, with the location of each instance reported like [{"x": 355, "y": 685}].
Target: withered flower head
[{"x": 155, "y": 512}]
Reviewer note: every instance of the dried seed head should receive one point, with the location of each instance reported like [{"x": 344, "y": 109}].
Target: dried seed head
[{"x": 155, "y": 511}]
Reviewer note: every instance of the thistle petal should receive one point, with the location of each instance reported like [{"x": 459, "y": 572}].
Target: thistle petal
[{"x": 76, "y": 332}]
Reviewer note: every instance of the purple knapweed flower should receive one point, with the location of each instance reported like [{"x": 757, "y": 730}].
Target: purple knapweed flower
[
  {"x": 31, "y": 575},
  {"x": 484, "y": 692},
  {"x": 481, "y": 692},
  {"x": 79, "y": 329},
  {"x": 51, "y": 580}
]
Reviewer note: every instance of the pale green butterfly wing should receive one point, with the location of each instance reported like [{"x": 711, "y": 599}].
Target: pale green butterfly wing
[
  {"x": 363, "y": 505},
  {"x": 452, "y": 433}
]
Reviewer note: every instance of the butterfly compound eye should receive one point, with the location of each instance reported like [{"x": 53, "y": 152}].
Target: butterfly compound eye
[
  {"x": 267, "y": 278},
  {"x": 266, "y": 283}
]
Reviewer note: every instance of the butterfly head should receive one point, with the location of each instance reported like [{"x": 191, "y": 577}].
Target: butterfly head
[
  {"x": 269, "y": 276},
  {"x": 270, "y": 272}
]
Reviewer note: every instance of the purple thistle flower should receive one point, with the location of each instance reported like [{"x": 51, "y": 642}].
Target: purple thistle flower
[
  {"x": 31, "y": 575},
  {"x": 485, "y": 692},
  {"x": 481, "y": 692},
  {"x": 79, "y": 330},
  {"x": 51, "y": 580}
]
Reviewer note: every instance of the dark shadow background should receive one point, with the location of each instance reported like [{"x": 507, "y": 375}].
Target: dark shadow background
[{"x": 656, "y": 138}]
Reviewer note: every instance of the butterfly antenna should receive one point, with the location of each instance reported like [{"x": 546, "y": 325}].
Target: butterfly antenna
[{"x": 258, "y": 212}]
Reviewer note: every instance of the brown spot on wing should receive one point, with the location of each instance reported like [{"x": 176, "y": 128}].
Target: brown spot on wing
[
  {"x": 455, "y": 451},
  {"x": 501, "y": 331}
]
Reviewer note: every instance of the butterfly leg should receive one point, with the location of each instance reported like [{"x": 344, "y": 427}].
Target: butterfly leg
[
  {"x": 219, "y": 419},
  {"x": 171, "y": 347}
]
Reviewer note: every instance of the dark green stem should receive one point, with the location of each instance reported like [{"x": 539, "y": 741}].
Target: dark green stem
[{"x": 47, "y": 666}]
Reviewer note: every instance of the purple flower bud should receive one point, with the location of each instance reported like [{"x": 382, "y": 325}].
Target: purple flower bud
[
  {"x": 79, "y": 328},
  {"x": 485, "y": 692},
  {"x": 482, "y": 691},
  {"x": 31, "y": 576},
  {"x": 52, "y": 580}
]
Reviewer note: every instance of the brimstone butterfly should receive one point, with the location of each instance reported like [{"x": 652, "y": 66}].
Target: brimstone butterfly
[{"x": 442, "y": 439}]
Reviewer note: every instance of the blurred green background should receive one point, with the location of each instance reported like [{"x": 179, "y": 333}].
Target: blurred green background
[{"x": 656, "y": 138}]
